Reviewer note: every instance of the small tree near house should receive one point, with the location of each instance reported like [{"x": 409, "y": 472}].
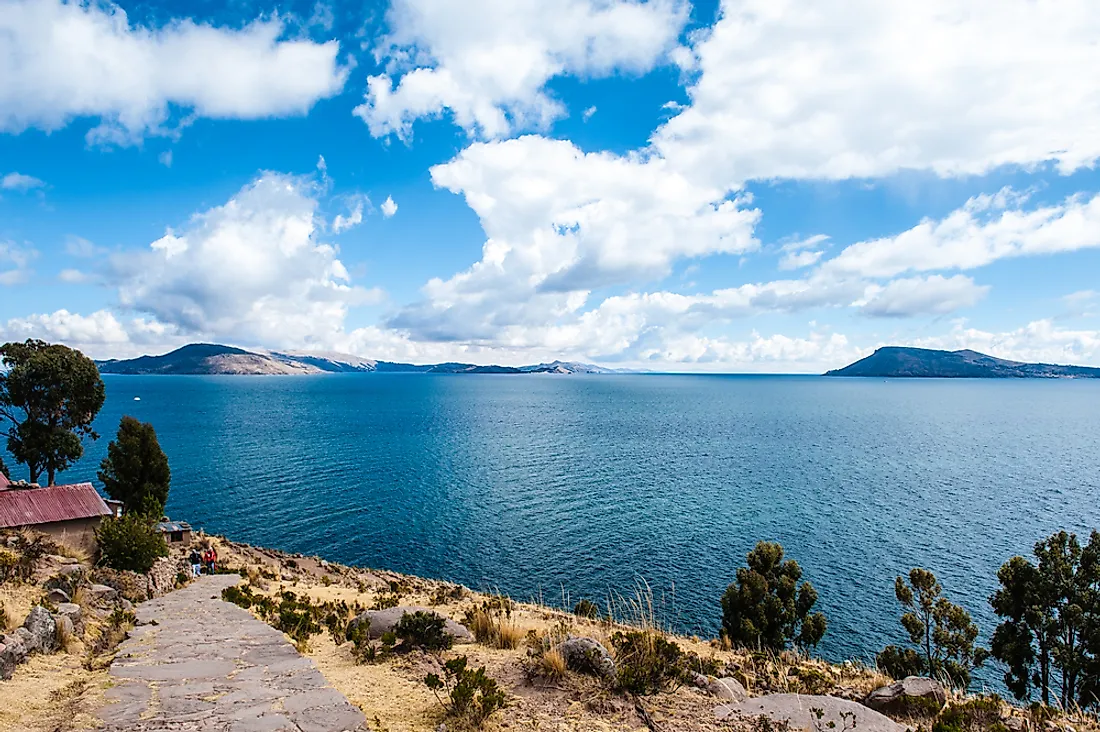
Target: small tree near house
[{"x": 136, "y": 470}]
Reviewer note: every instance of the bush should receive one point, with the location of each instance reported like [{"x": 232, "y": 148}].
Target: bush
[
  {"x": 897, "y": 663},
  {"x": 385, "y": 602},
  {"x": 491, "y": 623},
  {"x": 240, "y": 596},
  {"x": 647, "y": 663},
  {"x": 767, "y": 608},
  {"x": 471, "y": 696},
  {"x": 129, "y": 543},
  {"x": 426, "y": 631},
  {"x": 979, "y": 714},
  {"x": 587, "y": 609}
]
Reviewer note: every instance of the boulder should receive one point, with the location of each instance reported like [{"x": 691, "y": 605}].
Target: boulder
[
  {"x": 1015, "y": 724},
  {"x": 728, "y": 688},
  {"x": 74, "y": 614},
  {"x": 40, "y": 624},
  {"x": 57, "y": 596},
  {"x": 58, "y": 559},
  {"x": 66, "y": 582},
  {"x": 7, "y": 664},
  {"x": 15, "y": 647},
  {"x": 102, "y": 594},
  {"x": 384, "y": 621},
  {"x": 912, "y": 696},
  {"x": 799, "y": 711},
  {"x": 587, "y": 656}
]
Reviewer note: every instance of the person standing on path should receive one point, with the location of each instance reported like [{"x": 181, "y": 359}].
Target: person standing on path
[
  {"x": 196, "y": 562},
  {"x": 213, "y": 560}
]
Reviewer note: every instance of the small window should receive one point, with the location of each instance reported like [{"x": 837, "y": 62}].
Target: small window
[{"x": 177, "y": 536}]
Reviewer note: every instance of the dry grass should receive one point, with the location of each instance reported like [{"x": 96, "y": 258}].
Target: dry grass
[
  {"x": 492, "y": 624},
  {"x": 51, "y": 694},
  {"x": 551, "y": 665}
]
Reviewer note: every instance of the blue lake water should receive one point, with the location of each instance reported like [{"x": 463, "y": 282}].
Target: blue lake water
[{"x": 544, "y": 484}]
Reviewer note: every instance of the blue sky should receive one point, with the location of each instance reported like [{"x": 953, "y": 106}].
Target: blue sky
[{"x": 740, "y": 186}]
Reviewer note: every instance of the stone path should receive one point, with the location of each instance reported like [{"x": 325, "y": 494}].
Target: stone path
[{"x": 197, "y": 663}]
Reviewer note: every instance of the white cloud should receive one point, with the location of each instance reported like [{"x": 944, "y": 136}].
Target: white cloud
[
  {"x": 165, "y": 158},
  {"x": 587, "y": 115},
  {"x": 100, "y": 334},
  {"x": 74, "y": 276},
  {"x": 389, "y": 208},
  {"x": 833, "y": 89},
  {"x": 64, "y": 60},
  {"x": 1039, "y": 341},
  {"x": 15, "y": 262},
  {"x": 78, "y": 246},
  {"x": 354, "y": 218},
  {"x": 560, "y": 222},
  {"x": 935, "y": 295},
  {"x": 252, "y": 271},
  {"x": 984, "y": 230},
  {"x": 487, "y": 62},
  {"x": 799, "y": 259},
  {"x": 19, "y": 182}
]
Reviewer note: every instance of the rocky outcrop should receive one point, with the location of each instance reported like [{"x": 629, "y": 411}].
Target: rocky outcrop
[
  {"x": 384, "y": 621},
  {"x": 728, "y": 688},
  {"x": 800, "y": 711},
  {"x": 162, "y": 575},
  {"x": 912, "y": 696},
  {"x": 72, "y": 612},
  {"x": 587, "y": 656}
]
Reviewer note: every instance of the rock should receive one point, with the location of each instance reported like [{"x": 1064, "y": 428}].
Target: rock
[
  {"x": 701, "y": 681},
  {"x": 67, "y": 582},
  {"x": 912, "y": 695},
  {"x": 24, "y": 635},
  {"x": 71, "y": 570},
  {"x": 384, "y": 621},
  {"x": 798, "y": 711},
  {"x": 126, "y": 605},
  {"x": 286, "y": 576},
  {"x": 64, "y": 627},
  {"x": 7, "y": 664},
  {"x": 15, "y": 647},
  {"x": 728, "y": 688},
  {"x": 74, "y": 614},
  {"x": 57, "y": 596},
  {"x": 40, "y": 624},
  {"x": 58, "y": 559},
  {"x": 102, "y": 594},
  {"x": 1015, "y": 724},
  {"x": 587, "y": 656}
]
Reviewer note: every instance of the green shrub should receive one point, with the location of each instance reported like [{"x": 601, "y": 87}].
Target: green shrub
[
  {"x": 238, "y": 595},
  {"x": 9, "y": 564},
  {"x": 129, "y": 543},
  {"x": 471, "y": 696},
  {"x": 426, "y": 631},
  {"x": 977, "y": 714},
  {"x": 586, "y": 609},
  {"x": 385, "y": 602},
  {"x": 647, "y": 663},
  {"x": 897, "y": 663}
]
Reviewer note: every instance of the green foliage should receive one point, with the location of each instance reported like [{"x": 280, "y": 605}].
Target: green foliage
[
  {"x": 1049, "y": 639},
  {"x": 426, "y": 631},
  {"x": 49, "y": 395},
  {"x": 977, "y": 714},
  {"x": 4, "y": 469},
  {"x": 767, "y": 608},
  {"x": 239, "y": 595},
  {"x": 647, "y": 663},
  {"x": 385, "y": 601},
  {"x": 942, "y": 631},
  {"x": 29, "y": 547},
  {"x": 129, "y": 543},
  {"x": 135, "y": 470},
  {"x": 586, "y": 609},
  {"x": 467, "y": 695}
]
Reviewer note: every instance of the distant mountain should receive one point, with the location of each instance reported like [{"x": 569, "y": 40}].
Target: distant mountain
[
  {"x": 209, "y": 358},
  {"x": 897, "y": 361}
]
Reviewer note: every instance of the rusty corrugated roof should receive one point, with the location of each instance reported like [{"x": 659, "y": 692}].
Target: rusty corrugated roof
[
  {"x": 30, "y": 506},
  {"x": 4, "y": 482}
]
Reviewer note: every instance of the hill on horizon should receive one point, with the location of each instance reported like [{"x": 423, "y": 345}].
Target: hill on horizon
[
  {"x": 215, "y": 359},
  {"x": 905, "y": 362}
]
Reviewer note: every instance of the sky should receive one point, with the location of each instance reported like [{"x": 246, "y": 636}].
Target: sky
[{"x": 735, "y": 186}]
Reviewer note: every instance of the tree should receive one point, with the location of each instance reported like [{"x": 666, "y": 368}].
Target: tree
[
  {"x": 942, "y": 631},
  {"x": 135, "y": 470},
  {"x": 4, "y": 469},
  {"x": 129, "y": 543},
  {"x": 1052, "y": 620},
  {"x": 766, "y": 607},
  {"x": 50, "y": 394}
]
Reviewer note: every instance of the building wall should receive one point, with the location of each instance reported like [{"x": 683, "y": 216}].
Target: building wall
[{"x": 77, "y": 533}]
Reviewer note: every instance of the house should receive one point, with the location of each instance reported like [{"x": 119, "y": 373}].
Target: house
[
  {"x": 67, "y": 513},
  {"x": 176, "y": 533}
]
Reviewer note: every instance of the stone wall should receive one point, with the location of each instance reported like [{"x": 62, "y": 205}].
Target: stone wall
[{"x": 162, "y": 577}]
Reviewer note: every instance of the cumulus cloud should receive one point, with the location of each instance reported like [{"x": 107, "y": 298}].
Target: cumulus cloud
[
  {"x": 354, "y": 218},
  {"x": 15, "y": 262},
  {"x": 389, "y": 207},
  {"x": 20, "y": 182},
  {"x": 935, "y": 295},
  {"x": 1039, "y": 341},
  {"x": 785, "y": 90},
  {"x": 560, "y": 222},
  {"x": 252, "y": 270},
  {"x": 100, "y": 333},
  {"x": 61, "y": 60},
  {"x": 985, "y": 229},
  {"x": 487, "y": 62}
]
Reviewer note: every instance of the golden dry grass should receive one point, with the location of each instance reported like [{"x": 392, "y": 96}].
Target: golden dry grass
[{"x": 51, "y": 693}]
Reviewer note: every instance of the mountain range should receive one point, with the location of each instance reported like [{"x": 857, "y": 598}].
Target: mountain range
[
  {"x": 209, "y": 358},
  {"x": 897, "y": 361}
]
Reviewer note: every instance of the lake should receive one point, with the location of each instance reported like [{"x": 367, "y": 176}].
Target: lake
[{"x": 577, "y": 486}]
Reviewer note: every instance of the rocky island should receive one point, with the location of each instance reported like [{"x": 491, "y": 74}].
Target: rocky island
[{"x": 901, "y": 362}]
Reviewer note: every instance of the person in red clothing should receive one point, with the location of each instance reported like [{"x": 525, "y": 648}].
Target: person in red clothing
[{"x": 213, "y": 560}]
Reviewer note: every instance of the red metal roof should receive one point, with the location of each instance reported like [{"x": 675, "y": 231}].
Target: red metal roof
[
  {"x": 30, "y": 506},
  {"x": 4, "y": 482}
]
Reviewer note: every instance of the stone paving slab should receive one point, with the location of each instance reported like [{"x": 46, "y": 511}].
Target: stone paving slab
[{"x": 197, "y": 663}]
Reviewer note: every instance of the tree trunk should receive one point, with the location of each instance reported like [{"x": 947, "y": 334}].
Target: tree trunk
[
  {"x": 34, "y": 473},
  {"x": 1044, "y": 675},
  {"x": 50, "y": 475}
]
